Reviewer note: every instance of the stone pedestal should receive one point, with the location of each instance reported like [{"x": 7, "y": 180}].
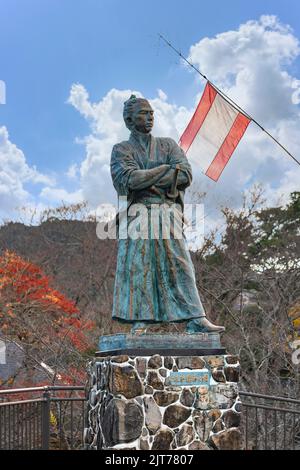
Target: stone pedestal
[{"x": 163, "y": 401}]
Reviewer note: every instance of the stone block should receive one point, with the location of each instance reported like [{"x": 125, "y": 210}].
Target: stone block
[
  {"x": 122, "y": 422},
  {"x": 230, "y": 439},
  {"x": 152, "y": 415},
  {"x": 124, "y": 380},
  {"x": 175, "y": 415},
  {"x": 190, "y": 362},
  {"x": 185, "y": 435},
  {"x": 163, "y": 440},
  {"x": 165, "y": 398},
  {"x": 155, "y": 362},
  {"x": 154, "y": 380},
  {"x": 163, "y": 401}
]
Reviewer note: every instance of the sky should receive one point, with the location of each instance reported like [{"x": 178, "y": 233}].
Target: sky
[{"x": 69, "y": 65}]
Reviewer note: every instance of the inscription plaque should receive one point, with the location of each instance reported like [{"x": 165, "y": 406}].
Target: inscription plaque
[{"x": 189, "y": 378}]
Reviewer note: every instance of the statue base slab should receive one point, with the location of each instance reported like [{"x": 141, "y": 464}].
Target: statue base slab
[
  {"x": 149, "y": 344},
  {"x": 163, "y": 402}
]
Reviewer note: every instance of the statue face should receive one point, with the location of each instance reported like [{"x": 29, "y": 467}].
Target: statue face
[{"x": 142, "y": 118}]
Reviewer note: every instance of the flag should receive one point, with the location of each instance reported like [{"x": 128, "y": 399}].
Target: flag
[{"x": 213, "y": 133}]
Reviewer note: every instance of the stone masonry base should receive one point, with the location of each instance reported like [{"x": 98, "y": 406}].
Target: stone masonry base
[{"x": 163, "y": 403}]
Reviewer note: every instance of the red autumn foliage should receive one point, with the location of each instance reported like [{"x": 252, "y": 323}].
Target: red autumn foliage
[{"x": 30, "y": 309}]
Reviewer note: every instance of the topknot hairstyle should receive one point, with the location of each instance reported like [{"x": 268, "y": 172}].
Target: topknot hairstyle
[{"x": 129, "y": 108}]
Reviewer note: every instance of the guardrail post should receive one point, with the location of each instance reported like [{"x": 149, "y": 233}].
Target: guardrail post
[{"x": 46, "y": 420}]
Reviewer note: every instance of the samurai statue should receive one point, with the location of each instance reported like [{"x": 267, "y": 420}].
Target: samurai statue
[{"x": 155, "y": 278}]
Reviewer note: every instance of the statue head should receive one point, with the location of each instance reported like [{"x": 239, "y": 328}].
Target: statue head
[{"x": 138, "y": 114}]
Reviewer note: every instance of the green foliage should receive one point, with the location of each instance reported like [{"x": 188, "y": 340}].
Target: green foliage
[
  {"x": 250, "y": 282},
  {"x": 277, "y": 230},
  {"x": 215, "y": 259}
]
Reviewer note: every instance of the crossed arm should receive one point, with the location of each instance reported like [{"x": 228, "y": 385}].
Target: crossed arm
[{"x": 161, "y": 176}]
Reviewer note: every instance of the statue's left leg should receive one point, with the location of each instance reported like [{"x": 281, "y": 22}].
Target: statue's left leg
[{"x": 203, "y": 325}]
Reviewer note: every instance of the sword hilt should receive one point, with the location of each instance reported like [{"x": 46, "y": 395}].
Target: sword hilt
[{"x": 173, "y": 193}]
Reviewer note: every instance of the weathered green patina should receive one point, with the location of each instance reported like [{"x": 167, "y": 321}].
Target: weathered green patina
[{"x": 155, "y": 279}]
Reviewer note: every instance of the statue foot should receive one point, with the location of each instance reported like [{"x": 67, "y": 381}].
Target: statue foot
[
  {"x": 203, "y": 325},
  {"x": 139, "y": 327}
]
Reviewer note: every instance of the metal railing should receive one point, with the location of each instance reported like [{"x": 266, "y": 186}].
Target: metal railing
[
  {"x": 55, "y": 419},
  {"x": 270, "y": 422},
  {"x": 52, "y": 420}
]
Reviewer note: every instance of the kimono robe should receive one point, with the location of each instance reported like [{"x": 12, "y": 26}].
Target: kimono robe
[{"x": 155, "y": 279}]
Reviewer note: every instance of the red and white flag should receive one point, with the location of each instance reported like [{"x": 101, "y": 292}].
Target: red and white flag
[{"x": 213, "y": 133}]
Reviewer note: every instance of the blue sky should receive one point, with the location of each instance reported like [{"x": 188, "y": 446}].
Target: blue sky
[{"x": 48, "y": 46}]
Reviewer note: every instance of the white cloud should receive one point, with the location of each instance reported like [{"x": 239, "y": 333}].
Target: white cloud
[
  {"x": 79, "y": 98},
  {"x": 72, "y": 172},
  {"x": 252, "y": 65},
  {"x": 54, "y": 195},
  {"x": 108, "y": 128},
  {"x": 15, "y": 173}
]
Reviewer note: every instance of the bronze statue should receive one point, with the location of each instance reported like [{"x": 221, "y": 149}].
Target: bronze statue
[{"x": 155, "y": 279}]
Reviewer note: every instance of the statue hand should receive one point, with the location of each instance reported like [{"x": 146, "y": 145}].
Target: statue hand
[{"x": 155, "y": 190}]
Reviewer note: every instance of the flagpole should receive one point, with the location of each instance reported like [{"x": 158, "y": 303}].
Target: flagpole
[{"x": 228, "y": 99}]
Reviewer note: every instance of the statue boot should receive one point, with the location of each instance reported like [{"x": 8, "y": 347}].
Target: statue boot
[
  {"x": 139, "y": 327},
  {"x": 203, "y": 325}
]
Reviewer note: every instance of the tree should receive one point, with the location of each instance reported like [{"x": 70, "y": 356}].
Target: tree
[
  {"x": 250, "y": 282},
  {"x": 45, "y": 323}
]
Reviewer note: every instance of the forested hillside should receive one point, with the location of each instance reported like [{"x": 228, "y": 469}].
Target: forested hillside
[{"x": 249, "y": 280}]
